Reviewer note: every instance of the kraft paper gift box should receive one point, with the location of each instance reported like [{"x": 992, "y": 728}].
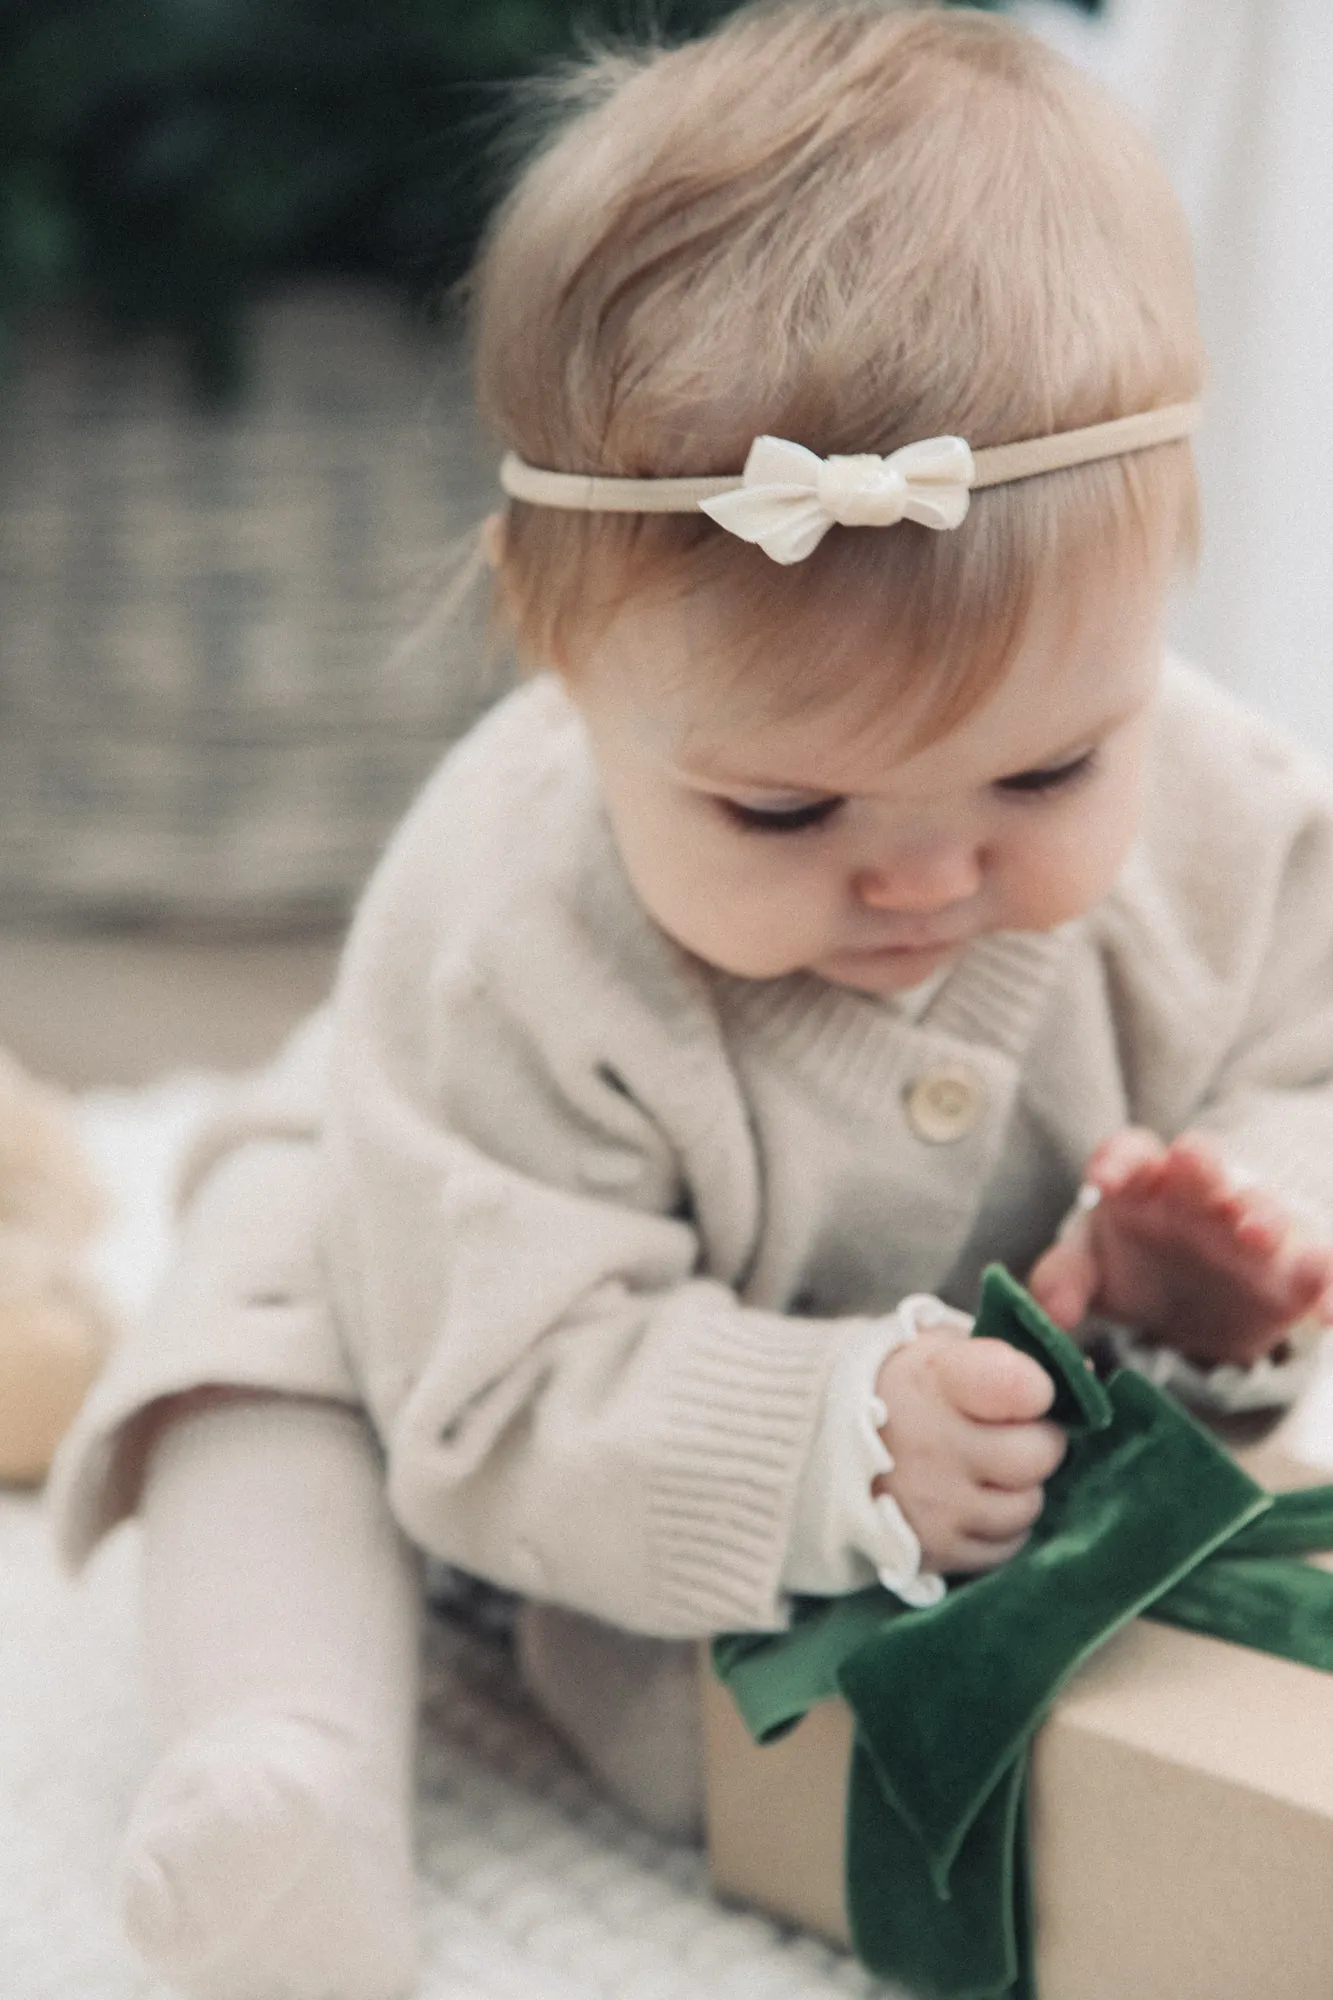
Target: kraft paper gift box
[{"x": 1178, "y": 1795}]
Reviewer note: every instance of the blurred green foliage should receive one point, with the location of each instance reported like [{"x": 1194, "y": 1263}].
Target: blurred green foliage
[{"x": 161, "y": 161}]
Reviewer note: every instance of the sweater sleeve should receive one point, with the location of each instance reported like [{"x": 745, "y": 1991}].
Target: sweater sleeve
[
  {"x": 1271, "y": 1111},
  {"x": 1257, "y": 870},
  {"x": 243, "y": 1301},
  {"x": 572, "y": 1404},
  {"x": 1243, "y": 831},
  {"x": 1270, "y": 1102},
  {"x": 1219, "y": 968}
]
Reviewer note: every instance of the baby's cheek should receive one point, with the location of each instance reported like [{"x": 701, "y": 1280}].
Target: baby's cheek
[
  {"x": 730, "y": 917},
  {"x": 753, "y": 938},
  {"x": 1069, "y": 871}
]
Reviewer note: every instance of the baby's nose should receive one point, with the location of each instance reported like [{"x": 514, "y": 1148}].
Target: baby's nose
[{"x": 920, "y": 883}]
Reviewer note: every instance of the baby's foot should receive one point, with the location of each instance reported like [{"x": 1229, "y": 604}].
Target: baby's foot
[
  {"x": 266, "y": 1860},
  {"x": 1178, "y": 1247}
]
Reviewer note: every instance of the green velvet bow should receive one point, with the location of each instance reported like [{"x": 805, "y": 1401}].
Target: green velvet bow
[{"x": 1147, "y": 1514}]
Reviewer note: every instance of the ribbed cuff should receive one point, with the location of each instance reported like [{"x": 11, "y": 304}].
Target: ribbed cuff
[{"x": 741, "y": 1400}]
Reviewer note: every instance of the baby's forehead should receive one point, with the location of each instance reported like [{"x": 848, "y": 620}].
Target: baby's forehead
[
  {"x": 831, "y": 751},
  {"x": 1060, "y": 694},
  {"x": 825, "y": 750}
]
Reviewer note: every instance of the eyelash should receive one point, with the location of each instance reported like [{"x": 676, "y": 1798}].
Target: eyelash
[
  {"x": 795, "y": 819},
  {"x": 790, "y": 819},
  {"x": 1030, "y": 784}
]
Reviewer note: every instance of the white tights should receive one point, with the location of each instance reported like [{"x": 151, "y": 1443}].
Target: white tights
[{"x": 269, "y": 1856}]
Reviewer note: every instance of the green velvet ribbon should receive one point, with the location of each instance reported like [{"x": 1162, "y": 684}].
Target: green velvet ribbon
[{"x": 1147, "y": 1514}]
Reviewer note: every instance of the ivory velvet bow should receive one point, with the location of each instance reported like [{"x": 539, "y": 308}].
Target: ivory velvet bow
[
  {"x": 790, "y": 497},
  {"x": 1147, "y": 1514}
]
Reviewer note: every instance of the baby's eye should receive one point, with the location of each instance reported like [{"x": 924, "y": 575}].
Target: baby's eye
[
  {"x": 779, "y": 819},
  {"x": 1052, "y": 779}
]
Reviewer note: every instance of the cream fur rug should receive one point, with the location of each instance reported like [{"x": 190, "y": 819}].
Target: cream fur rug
[{"x": 531, "y": 1887}]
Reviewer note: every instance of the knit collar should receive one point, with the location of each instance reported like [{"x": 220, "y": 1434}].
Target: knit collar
[{"x": 992, "y": 999}]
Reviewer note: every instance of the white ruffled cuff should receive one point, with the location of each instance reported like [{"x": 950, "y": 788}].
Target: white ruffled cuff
[
  {"x": 1228, "y": 1389},
  {"x": 845, "y": 1536}
]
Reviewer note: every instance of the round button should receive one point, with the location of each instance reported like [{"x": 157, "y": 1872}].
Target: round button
[{"x": 946, "y": 1103}]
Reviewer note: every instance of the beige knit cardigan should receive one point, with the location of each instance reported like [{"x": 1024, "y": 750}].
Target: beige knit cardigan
[{"x": 585, "y": 1224}]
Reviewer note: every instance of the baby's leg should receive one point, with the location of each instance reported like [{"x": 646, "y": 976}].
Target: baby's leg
[
  {"x": 628, "y": 1705},
  {"x": 269, "y": 1855}
]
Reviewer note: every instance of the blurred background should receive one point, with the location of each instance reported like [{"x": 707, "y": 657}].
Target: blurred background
[{"x": 237, "y": 458}]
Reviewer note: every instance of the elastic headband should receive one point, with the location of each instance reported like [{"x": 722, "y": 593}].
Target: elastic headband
[{"x": 787, "y": 498}]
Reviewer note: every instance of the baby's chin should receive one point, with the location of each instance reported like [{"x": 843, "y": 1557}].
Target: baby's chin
[
  {"x": 761, "y": 956},
  {"x": 881, "y": 973},
  {"x": 889, "y": 970}
]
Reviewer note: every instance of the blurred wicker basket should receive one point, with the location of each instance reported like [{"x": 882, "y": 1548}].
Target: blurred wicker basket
[{"x": 207, "y": 714}]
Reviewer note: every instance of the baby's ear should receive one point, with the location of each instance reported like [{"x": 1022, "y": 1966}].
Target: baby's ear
[{"x": 493, "y": 539}]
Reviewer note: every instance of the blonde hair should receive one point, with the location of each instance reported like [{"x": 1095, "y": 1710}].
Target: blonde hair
[{"x": 852, "y": 225}]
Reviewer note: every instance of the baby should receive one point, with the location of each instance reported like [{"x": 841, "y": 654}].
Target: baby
[{"x": 851, "y": 896}]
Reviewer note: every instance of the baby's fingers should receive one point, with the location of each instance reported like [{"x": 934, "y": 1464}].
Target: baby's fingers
[
  {"x": 994, "y": 1528},
  {"x": 1064, "y": 1279},
  {"x": 1311, "y": 1281},
  {"x": 997, "y": 1519},
  {"x": 993, "y": 1516},
  {"x": 1014, "y": 1458},
  {"x": 972, "y": 1556},
  {"x": 1132, "y": 1158},
  {"x": 992, "y": 1383},
  {"x": 977, "y": 1528}
]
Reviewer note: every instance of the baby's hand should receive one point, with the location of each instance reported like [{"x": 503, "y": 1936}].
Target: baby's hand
[
  {"x": 1177, "y": 1249},
  {"x": 969, "y": 1451}
]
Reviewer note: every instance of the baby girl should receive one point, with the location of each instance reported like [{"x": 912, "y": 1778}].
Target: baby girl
[{"x": 851, "y": 895}]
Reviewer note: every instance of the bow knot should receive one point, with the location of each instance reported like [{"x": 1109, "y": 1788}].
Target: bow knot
[
  {"x": 862, "y": 492},
  {"x": 789, "y": 497}
]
